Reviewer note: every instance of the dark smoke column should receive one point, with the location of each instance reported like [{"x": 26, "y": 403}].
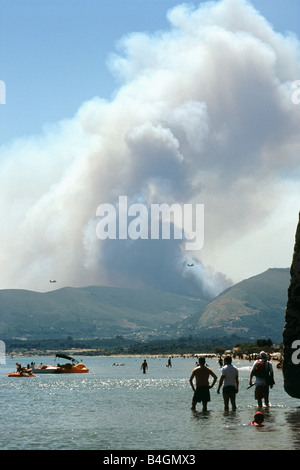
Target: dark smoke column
[{"x": 291, "y": 331}]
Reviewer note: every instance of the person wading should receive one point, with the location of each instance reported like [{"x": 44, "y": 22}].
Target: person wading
[{"x": 201, "y": 393}]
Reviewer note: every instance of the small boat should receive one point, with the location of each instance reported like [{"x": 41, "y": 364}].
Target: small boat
[
  {"x": 21, "y": 371},
  {"x": 20, "y": 374},
  {"x": 43, "y": 369},
  {"x": 72, "y": 367}
]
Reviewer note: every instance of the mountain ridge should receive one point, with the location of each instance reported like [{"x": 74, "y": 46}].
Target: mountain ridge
[
  {"x": 92, "y": 311},
  {"x": 254, "y": 307}
]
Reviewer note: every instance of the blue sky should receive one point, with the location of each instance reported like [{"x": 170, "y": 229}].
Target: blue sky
[
  {"x": 54, "y": 54},
  {"x": 196, "y": 109}
]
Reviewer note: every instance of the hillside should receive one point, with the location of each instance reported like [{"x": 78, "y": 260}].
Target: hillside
[
  {"x": 254, "y": 308},
  {"x": 94, "y": 311}
]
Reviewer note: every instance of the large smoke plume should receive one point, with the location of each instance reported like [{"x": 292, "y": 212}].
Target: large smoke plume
[{"x": 203, "y": 114}]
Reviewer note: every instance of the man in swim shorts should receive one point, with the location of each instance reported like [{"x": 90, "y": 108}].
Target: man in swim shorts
[{"x": 201, "y": 392}]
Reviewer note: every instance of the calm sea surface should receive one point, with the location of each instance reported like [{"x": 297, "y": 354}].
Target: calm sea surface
[{"x": 120, "y": 408}]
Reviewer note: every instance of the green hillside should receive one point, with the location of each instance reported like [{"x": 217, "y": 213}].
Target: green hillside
[
  {"x": 254, "y": 308},
  {"x": 93, "y": 311}
]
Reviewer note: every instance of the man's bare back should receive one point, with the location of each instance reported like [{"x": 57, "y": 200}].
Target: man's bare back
[
  {"x": 201, "y": 374},
  {"x": 201, "y": 392}
]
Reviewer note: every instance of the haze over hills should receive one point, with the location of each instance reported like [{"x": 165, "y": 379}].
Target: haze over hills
[
  {"x": 254, "y": 308},
  {"x": 95, "y": 311}
]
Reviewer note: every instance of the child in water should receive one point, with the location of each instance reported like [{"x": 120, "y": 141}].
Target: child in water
[{"x": 258, "y": 419}]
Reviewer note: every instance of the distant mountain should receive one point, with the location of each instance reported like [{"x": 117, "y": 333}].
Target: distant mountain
[
  {"x": 254, "y": 308},
  {"x": 88, "y": 312}
]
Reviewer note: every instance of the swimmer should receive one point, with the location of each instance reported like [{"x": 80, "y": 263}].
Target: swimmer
[{"x": 258, "y": 419}]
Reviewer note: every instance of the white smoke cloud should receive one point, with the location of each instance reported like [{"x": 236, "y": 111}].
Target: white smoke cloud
[{"x": 203, "y": 114}]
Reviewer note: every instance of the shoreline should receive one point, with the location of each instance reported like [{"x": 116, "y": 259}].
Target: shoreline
[{"x": 89, "y": 353}]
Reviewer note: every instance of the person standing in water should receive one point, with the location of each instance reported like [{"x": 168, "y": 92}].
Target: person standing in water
[
  {"x": 230, "y": 377},
  {"x": 201, "y": 393},
  {"x": 144, "y": 366},
  {"x": 262, "y": 370}
]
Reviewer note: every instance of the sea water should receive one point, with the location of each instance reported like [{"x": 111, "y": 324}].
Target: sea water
[{"x": 117, "y": 407}]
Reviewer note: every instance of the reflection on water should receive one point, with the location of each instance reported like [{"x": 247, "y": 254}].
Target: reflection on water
[
  {"x": 292, "y": 418},
  {"x": 121, "y": 408}
]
